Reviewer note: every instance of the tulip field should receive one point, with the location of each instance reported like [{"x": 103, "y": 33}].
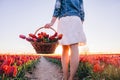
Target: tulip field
[
  {"x": 91, "y": 67},
  {"x": 14, "y": 67},
  {"x": 95, "y": 66}
]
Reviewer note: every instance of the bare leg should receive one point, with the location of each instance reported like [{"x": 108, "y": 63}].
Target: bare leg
[
  {"x": 74, "y": 60},
  {"x": 65, "y": 61}
]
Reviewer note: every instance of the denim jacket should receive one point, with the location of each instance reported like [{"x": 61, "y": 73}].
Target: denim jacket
[{"x": 69, "y": 8}]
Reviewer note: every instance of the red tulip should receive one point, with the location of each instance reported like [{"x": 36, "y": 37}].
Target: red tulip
[
  {"x": 19, "y": 63},
  {"x": 13, "y": 71},
  {"x": 40, "y": 36},
  {"x": 55, "y": 34},
  {"x": 6, "y": 69},
  {"x": 60, "y": 36},
  {"x": 97, "y": 68},
  {"x": 32, "y": 35}
]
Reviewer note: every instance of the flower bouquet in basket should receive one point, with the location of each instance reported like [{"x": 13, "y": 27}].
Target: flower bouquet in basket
[{"x": 42, "y": 42}]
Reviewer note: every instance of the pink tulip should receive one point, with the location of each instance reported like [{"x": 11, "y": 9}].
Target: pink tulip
[
  {"x": 29, "y": 39},
  {"x": 22, "y": 36}
]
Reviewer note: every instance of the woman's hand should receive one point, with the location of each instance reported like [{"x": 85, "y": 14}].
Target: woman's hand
[{"x": 48, "y": 25}]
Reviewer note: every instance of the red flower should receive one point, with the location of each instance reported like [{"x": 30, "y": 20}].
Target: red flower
[
  {"x": 60, "y": 36},
  {"x": 32, "y": 35},
  {"x": 19, "y": 63},
  {"x": 40, "y": 36},
  {"x": 14, "y": 71},
  {"x": 98, "y": 68},
  {"x": 9, "y": 61},
  {"x": 55, "y": 34},
  {"x": 6, "y": 69}
]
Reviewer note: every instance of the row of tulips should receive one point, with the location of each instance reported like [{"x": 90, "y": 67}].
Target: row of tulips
[
  {"x": 13, "y": 67},
  {"x": 95, "y": 66}
]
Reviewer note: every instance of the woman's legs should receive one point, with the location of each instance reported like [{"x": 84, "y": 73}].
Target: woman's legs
[
  {"x": 65, "y": 61},
  {"x": 74, "y": 60}
]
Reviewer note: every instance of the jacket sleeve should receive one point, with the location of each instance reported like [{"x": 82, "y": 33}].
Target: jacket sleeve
[
  {"x": 57, "y": 8},
  {"x": 82, "y": 13}
]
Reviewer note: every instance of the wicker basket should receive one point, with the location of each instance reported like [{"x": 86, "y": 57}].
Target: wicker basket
[{"x": 44, "y": 48}]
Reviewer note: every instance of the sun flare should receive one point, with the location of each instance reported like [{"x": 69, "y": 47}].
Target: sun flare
[
  {"x": 58, "y": 50},
  {"x": 82, "y": 50}
]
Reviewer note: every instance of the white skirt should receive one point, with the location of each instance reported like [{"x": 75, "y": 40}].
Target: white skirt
[{"x": 72, "y": 29}]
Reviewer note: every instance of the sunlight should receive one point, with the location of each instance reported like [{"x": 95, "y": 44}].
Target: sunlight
[
  {"x": 82, "y": 50},
  {"x": 58, "y": 50}
]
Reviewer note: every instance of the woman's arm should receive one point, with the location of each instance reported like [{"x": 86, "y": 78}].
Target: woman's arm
[
  {"x": 53, "y": 20},
  {"x": 55, "y": 14},
  {"x": 51, "y": 23}
]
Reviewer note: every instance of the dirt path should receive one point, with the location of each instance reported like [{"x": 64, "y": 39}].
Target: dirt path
[{"x": 46, "y": 71}]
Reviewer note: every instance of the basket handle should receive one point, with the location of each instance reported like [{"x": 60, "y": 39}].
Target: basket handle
[{"x": 45, "y": 28}]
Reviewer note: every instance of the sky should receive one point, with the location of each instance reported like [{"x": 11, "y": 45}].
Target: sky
[{"x": 101, "y": 25}]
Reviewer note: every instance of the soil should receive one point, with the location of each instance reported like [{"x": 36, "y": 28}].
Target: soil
[{"x": 45, "y": 70}]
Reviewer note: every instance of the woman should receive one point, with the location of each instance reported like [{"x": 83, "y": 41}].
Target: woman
[{"x": 70, "y": 14}]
